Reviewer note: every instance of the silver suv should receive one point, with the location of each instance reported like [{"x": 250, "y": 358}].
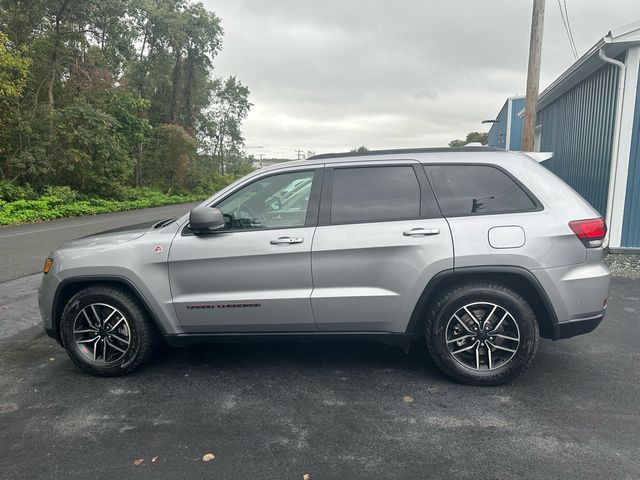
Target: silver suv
[{"x": 477, "y": 251}]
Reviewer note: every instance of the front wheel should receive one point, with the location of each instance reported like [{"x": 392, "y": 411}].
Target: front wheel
[
  {"x": 106, "y": 331},
  {"x": 481, "y": 333}
]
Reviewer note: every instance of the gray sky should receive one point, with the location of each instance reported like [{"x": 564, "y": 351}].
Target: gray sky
[{"x": 334, "y": 74}]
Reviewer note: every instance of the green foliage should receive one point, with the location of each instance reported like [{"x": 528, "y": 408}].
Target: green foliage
[
  {"x": 472, "y": 137},
  {"x": 221, "y": 124},
  {"x": 57, "y": 204},
  {"x": 92, "y": 152},
  {"x": 99, "y": 97},
  {"x": 361, "y": 148},
  {"x": 480, "y": 137},
  {"x": 171, "y": 157},
  {"x": 14, "y": 67},
  {"x": 10, "y": 192}
]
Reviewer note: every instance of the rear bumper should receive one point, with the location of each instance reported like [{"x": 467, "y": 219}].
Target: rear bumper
[
  {"x": 578, "y": 294},
  {"x": 576, "y": 327}
]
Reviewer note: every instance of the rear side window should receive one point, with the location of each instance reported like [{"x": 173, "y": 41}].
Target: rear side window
[
  {"x": 374, "y": 194},
  {"x": 476, "y": 189}
]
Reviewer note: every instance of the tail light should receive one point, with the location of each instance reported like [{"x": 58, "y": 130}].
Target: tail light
[{"x": 591, "y": 231}]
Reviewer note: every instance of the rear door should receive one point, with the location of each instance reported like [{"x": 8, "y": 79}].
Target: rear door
[{"x": 379, "y": 241}]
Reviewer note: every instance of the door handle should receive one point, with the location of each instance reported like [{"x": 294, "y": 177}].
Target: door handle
[
  {"x": 286, "y": 240},
  {"x": 421, "y": 232}
]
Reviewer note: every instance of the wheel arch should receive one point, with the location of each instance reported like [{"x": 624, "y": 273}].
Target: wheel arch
[
  {"x": 518, "y": 278},
  {"x": 70, "y": 286}
]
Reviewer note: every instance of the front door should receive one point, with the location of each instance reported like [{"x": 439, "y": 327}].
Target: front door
[{"x": 255, "y": 274}]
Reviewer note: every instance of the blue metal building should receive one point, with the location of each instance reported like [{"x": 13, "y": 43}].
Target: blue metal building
[
  {"x": 506, "y": 131},
  {"x": 589, "y": 117}
]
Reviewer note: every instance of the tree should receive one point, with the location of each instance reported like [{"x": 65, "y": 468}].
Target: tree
[
  {"x": 14, "y": 68},
  {"x": 361, "y": 148},
  {"x": 136, "y": 73},
  {"x": 92, "y": 150},
  {"x": 472, "y": 137},
  {"x": 171, "y": 156},
  {"x": 221, "y": 124}
]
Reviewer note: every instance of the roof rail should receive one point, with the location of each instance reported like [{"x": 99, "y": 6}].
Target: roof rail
[{"x": 406, "y": 151}]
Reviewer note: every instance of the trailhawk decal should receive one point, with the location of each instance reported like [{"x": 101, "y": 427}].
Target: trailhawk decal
[{"x": 223, "y": 305}]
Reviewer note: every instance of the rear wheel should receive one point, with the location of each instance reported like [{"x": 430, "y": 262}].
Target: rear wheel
[
  {"x": 106, "y": 331},
  {"x": 481, "y": 333}
]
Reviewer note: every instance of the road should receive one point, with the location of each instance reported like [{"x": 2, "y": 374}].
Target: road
[
  {"x": 23, "y": 248},
  {"x": 343, "y": 411}
]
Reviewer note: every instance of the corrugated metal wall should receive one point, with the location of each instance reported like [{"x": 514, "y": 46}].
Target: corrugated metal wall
[
  {"x": 631, "y": 222},
  {"x": 517, "y": 104},
  {"x": 578, "y": 128},
  {"x": 498, "y": 130}
]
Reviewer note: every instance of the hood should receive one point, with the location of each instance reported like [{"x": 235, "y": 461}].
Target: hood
[
  {"x": 128, "y": 228},
  {"x": 113, "y": 236}
]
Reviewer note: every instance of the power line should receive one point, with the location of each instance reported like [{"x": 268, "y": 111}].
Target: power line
[
  {"x": 565, "y": 22},
  {"x": 573, "y": 42}
]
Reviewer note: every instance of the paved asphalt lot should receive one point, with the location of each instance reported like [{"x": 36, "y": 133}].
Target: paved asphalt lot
[
  {"x": 333, "y": 411},
  {"x": 23, "y": 248}
]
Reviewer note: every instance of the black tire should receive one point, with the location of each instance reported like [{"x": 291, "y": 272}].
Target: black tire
[
  {"x": 449, "y": 302},
  {"x": 142, "y": 334}
]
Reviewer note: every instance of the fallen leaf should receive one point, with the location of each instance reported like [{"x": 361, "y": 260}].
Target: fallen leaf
[
  {"x": 154, "y": 459},
  {"x": 207, "y": 457},
  {"x": 138, "y": 461},
  {"x": 306, "y": 477},
  {"x": 407, "y": 399}
]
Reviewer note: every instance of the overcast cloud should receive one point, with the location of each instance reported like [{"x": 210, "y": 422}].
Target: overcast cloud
[{"x": 331, "y": 75}]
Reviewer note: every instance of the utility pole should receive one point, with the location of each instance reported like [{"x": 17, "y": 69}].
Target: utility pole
[
  {"x": 299, "y": 153},
  {"x": 533, "y": 75}
]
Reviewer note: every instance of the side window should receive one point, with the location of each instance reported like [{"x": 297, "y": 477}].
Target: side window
[
  {"x": 276, "y": 201},
  {"x": 374, "y": 194},
  {"x": 475, "y": 189}
]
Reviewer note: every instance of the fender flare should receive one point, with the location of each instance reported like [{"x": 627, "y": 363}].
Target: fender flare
[
  {"x": 57, "y": 307},
  {"x": 478, "y": 271}
]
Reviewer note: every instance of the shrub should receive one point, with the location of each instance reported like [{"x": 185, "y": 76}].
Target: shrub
[
  {"x": 49, "y": 207},
  {"x": 10, "y": 192}
]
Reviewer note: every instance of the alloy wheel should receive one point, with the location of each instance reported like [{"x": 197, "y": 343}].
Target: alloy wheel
[
  {"x": 482, "y": 336},
  {"x": 102, "y": 333}
]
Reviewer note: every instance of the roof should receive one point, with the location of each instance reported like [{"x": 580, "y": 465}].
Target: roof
[
  {"x": 404, "y": 151},
  {"x": 394, "y": 154},
  {"x": 615, "y": 42}
]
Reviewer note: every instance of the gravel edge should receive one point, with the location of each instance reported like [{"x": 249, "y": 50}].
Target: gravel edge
[{"x": 623, "y": 265}]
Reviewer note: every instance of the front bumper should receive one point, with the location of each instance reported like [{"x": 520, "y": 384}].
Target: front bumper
[{"x": 46, "y": 295}]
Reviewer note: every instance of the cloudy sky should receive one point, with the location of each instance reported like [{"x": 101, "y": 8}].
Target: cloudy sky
[{"x": 330, "y": 75}]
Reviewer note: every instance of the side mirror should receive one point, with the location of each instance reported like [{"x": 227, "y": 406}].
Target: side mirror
[{"x": 203, "y": 220}]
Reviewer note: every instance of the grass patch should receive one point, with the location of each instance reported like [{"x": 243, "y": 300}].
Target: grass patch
[{"x": 59, "y": 205}]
